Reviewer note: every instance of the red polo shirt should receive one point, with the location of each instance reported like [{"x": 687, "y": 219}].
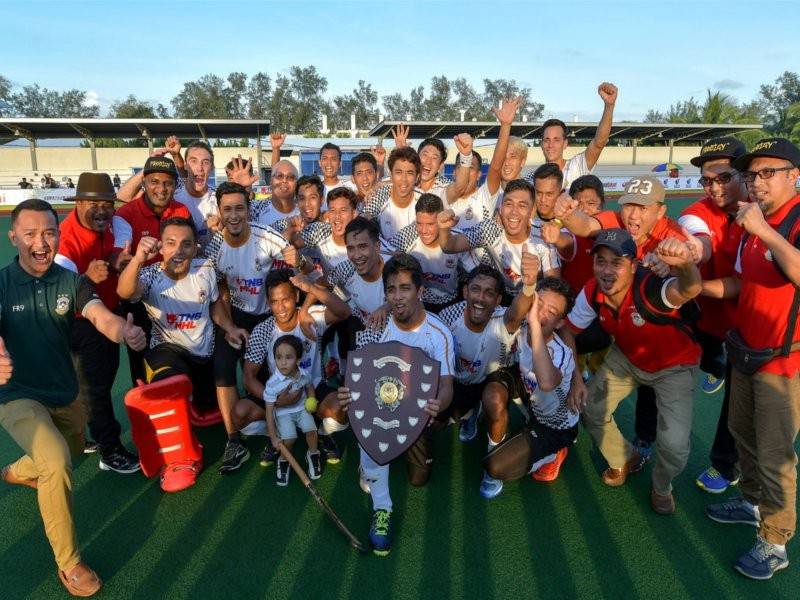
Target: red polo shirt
[
  {"x": 579, "y": 268},
  {"x": 79, "y": 245},
  {"x": 136, "y": 220},
  {"x": 765, "y": 299},
  {"x": 706, "y": 219},
  {"x": 664, "y": 228}
]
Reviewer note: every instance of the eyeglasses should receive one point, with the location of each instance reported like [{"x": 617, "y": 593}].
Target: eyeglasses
[
  {"x": 768, "y": 173},
  {"x": 721, "y": 179},
  {"x": 283, "y": 177}
]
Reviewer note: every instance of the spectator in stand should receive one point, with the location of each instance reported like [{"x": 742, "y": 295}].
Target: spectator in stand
[
  {"x": 25, "y": 184},
  {"x": 117, "y": 181}
]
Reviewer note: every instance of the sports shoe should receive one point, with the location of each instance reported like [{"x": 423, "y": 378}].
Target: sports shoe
[
  {"x": 81, "y": 581},
  {"x": 282, "y": 473},
  {"x": 119, "y": 460},
  {"x": 180, "y": 475},
  {"x": 90, "y": 447},
  {"x": 711, "y": 385},
  {"x": 314, "y": 465},
  {"x": 468, "y": 428},
  {"x": 328, "y": 447},
  {"x": 235, "y": 455},
  {"x": 762, "y": 560},
  {"x": 550, "y": 471},
  {"x": 735, "y": 510},
  {"x": 380, "y": 532},
  {"x": 490, "y": 487},
  {"x": 645, "y": 452},
  {"x": 268, "y": 455},
  {"x": 713, "y": 482},
  {"x": 362, "y": 481}
]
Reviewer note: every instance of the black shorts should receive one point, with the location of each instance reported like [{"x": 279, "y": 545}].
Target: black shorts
[
  {"x": 166, "y": 360},
  {"x": 226, "y": 356},
  {"x": 547, "y": 441},
  {"x": 323, "y": 389},
  {"x": 466, "y": 396}
]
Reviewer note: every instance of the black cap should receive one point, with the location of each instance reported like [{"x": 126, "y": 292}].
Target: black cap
[
  {"x": 776, "y": 147},
  {"x": 720, "y": 147},
  {"x": 619, "y": 241},
  {"x": 160, "y": 164}
]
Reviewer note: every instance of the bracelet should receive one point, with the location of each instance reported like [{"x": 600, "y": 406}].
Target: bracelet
[
  {"x": 464, "y": 160},
  {"x": 529, "y": 289}
]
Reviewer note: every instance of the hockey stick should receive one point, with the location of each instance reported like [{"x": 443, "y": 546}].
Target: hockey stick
[{"x": 301, "y": 474}]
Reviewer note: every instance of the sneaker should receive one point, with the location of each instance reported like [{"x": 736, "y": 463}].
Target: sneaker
[
  {"x": 268, "y": 455},
  {"x": 645, "y": 452},
  {"x": 735, "y": 510},
  {"x": 314, "y": 465},
  {"x": 235, "y": 455},
  {"x": 762, "y": 560},
  {"x": 362, "y": 481},
  {"x": 282, "y": 473},
  {"x": 711, "y": 385},
  {"x": 328, "y": 447},
  {"x": 490, "y": 487},
  {"x": 550, "y": 471},
  {"x": 90, "y": 447},
  {"x": 119, "y": 460},
  {"x": 468, "y": 428},
  {"x": 380, "y": 532},
  {"x": 713, "y": 482}
]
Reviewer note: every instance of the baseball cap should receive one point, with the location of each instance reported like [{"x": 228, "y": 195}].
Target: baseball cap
[
  {"x": 776, "y": 147},
  {"x": 719, "y": 147},
  {"x": 619, "y": 241},
  {"x": 644, "y": 190},
  {"x": 160, "y": 164}
]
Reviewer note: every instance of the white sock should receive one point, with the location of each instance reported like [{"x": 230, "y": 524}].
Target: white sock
[
  {"x": 330, "y": 425},
  {"x": 492, "y": 444},
  {"x": 377, "y": 476}
]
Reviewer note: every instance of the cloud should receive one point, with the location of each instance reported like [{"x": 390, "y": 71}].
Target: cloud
[
  {"x": 92, "y": 99},
  {"x": 728, "y": 84}
]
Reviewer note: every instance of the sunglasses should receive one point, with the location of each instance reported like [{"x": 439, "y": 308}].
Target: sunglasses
[
  {"x": 720, "y": 179},
  {"x": 768, "y": 173}
]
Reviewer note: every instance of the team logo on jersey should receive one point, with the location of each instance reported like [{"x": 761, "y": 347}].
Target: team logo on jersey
[
  {"x": 183, "y": 320},
  {"x": 259, "y": 266},
  {"x": 62, "y": 304},
  {"x": 202, "y": 296},
  {"x": 768, "y": 255},
  {"x": 450, "y": 262},
  {"x": 637, "y": 319},
  {"x": 469, "y": 214}
]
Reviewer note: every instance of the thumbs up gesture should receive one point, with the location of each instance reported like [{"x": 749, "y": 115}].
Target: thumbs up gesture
[
  {"x": 133, "y": 335},
  {"x": 6, "y": 366}
]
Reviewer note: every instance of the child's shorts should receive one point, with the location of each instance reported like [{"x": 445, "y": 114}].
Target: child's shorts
[{"x": 288, "y": 424}]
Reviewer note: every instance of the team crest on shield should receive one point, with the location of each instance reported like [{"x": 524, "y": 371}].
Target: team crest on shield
[{"x": 390, "y": 384}]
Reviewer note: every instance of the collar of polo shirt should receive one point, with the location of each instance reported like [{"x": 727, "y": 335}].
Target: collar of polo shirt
[{"x": 21, "y": 276}]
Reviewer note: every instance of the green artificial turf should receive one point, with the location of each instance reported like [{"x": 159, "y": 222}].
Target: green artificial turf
[{"x": 240, "y": 536}]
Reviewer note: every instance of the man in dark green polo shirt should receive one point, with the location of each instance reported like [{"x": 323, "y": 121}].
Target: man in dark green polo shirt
[{"x": 38, "y": 304}]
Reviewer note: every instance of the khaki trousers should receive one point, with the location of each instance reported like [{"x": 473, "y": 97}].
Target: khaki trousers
[
  {"x": 674, "y": 388},
  {"x": 48, "y": 436},
  {"x": 764, "y": 417}
]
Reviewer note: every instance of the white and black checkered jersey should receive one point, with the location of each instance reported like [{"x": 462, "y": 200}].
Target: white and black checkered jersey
[
  {"x": 479, "y": 354},
  {"x": 432, "y": 336},
  {"x": 390, "y": 217},
  {"x": 439, "y": 269},
  {"x": 507, "y": 255},
  {"x": 549, "y": 408},
  {"x": 244, "y": 268},
  {"x": 180, "y": 311},
  {"x": 475, "y": 208},
  {"x": 363, "y": 297},
  {"x": 264, "y": 212},
  {"x": 439, "y": 187},
  {"x": 262, "y": 340},
  {"x": 319, "y": 236}
]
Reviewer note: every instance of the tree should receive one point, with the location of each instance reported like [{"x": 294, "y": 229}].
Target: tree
[
  {"x": 36, "y": 102},
  {"x": 134, "y": 108},
  {"x": 306, "y": 89},
  {"x": 259, "y": 90},
  {"x": 495, "y": 90},
  {"x": 211, "y": 97},
  {"x": 362, "y": 102},
  {"x": 776, "y": 100}
]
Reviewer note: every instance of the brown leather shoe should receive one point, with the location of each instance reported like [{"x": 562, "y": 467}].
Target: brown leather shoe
[
  {"x": 81, "y": 581},
  {"x": 663, "y": 505},
  {"x": 9, "y": 478},
  {"x": 616, "y": 477}
]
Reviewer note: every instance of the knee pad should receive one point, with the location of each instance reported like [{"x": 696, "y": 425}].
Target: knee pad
[
  {"x": 510, "y": 459},
  {"x": 331, "y": 425}
]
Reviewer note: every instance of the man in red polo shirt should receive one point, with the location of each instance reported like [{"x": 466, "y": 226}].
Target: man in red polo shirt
[
  {"x": 140, "y": 218},
  {"x": 652, "y": 346},
  {"x": 87, "y": 247},
  {"x": 712, "y": 221},
  {"x": 765, "y": 400}
]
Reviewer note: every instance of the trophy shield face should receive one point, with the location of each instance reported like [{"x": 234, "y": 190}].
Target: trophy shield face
[{"x": 390, "y": 384}]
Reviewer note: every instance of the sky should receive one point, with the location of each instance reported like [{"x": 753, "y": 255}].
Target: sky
[{"x": 656, "y": 52}]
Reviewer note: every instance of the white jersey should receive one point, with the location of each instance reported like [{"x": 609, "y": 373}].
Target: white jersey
[
  {"x": 261, "y": 343},
  {"x": 318, "y": 236},
  {"x": 475, "y": 208},
  {"x": 181, "y": 310},
  {"x": 363, "y": 297},
  {"x": 341, "y": 183},
  {"x": 391, "y": 218},
  {"x": 439, "y": 187},
  {"x": 431, "y": 336},
  {"x": 573, "y": 168},
  {"x": 264, "y": 212},
  {"x": 507, "y": 255},
  {"x": 479, "y": 354},
  {"x": 245, "y": 267},
  {"x": 200, "y": 208},
  {"x": 278, "y": 382},
  {"x": 549, "y": 408},
  {"x": 439, "y": 269}
]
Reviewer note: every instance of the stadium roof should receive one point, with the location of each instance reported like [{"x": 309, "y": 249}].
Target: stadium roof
[
  {"x": 132, "y": 128},
  {"x": 696, "y": 132}
]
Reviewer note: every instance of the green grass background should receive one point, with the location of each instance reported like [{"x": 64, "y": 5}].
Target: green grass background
[{"x": 240, "y": 536}]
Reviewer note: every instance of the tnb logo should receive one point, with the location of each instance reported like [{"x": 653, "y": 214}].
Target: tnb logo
[{"x": 183, "y": 320}]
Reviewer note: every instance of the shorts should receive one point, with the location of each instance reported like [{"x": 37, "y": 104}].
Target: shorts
[
  {"x": 466, "y": 396},
  {"x": 226, "y": 356},
  {"x": 166, "y": 360},
  {"x": 289, "y": 423},
  {"x": 548, "y": 441}
]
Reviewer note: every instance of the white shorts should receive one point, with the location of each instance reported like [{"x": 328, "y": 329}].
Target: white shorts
[{"x": 289, "y": 423}]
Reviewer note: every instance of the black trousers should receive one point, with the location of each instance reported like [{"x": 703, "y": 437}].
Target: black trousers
[
  {"x": 140, "y": 319},
  {"x": 96, "y": 360}
]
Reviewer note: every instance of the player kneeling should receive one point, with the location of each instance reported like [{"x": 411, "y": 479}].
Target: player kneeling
[
  {"x": 547, "y": 366},
  {"x": 288, "y": 351}
]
